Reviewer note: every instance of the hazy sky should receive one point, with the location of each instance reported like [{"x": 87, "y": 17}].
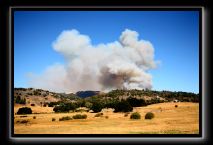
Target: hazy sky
[{"x": 174, "y": 36}]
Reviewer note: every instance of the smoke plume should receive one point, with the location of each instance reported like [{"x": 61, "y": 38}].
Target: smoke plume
[{"x": 122, "y": 64}]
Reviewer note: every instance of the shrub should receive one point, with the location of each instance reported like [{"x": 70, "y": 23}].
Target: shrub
[
  {"x": 154, "y": 101},
  {"x": 81, "y": 103},
  {"x": 50, "y": 104},
  {"x": 84, "y": 116},
  {"x": 135, "y": 115},
  {"x": 111, "y": 103},
  {"x": 32, "y": 104},
  {"x": 149, "y": 115},
  {"x": 81, "y": 110},
  {"x": 61, "y": 108},
  {"x": 23, "y": 116},
  {"x": 160, "y": 109},
  {"x": 97, "y": 107},
  {"x": 53, "y": 119},
  {"x": 44, "y": 95},
  {"x": 176, "y": 106},
  {"x": 30, "y": 94},
  {"x": 88, "y": 105},
  {"x": 64, "y": 107},
  {"x": 65, "y": 118},
  {"x": 134, "y": 102},
  {"x": 106, "y": 117},
  {"x": 123, "y": 106},
  {"x": 37, "y": 92},
  {"x": 34, "y": 117},
  {"x": 24, "y": 121},
  {"x": 126, "y": 114},
  {"x": 19, "y": 100},
  {"x": 24, "y": 110},
  {"x": 99, "y": 114},
  {"x": 79, "y": 116}
]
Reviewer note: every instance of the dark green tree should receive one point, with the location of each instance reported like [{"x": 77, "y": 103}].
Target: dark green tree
[
  {"x": 97, "y": 107},
  {"x": 24, "y": 110},
  {"x": 123, "y": 106}
]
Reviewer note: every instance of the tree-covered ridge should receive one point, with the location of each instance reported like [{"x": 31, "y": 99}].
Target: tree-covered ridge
[
  {"x": 166, "y": 95},
  {"x": 118, "y": 94}
]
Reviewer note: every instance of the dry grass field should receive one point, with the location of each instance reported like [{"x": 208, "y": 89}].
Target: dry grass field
[{"x": 169, "y": 119}]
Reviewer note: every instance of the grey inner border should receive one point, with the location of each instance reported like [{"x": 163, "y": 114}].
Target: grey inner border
[{"x": 114, "y": 139}]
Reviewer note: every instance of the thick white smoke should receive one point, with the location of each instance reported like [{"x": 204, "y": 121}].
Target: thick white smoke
[{"x": 117, "y": 65}]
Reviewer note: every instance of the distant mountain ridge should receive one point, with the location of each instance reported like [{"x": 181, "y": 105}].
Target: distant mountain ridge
[{"x": 85, "y": 94}]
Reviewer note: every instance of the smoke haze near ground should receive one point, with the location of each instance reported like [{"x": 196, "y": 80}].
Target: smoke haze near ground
[{"x": 117, "y": 65}]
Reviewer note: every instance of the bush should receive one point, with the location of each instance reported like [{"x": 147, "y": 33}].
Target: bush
[
  {"x": 18, "y": 100},
  {"x": 81, "y": 110},
  {"x": 106, "y": 117},
  {"x": 53, "y": 119},
  {"x": 149, "y": 115},
  {"x": 60, "y": 109},
  {"x": 64, "y": 118},
  {"x": 79, "y": 116},
  {"x": 88, "y": 105},
  {"x": 134, "y": 102},
  {"x": 23, "y": 121},
  {"x": 126, "y": 114},
  {"x": 23, "y": 116},
  {"x": 135, "y": 115},
  {"x": 176, "y": 106},
  {"x": 123, "y": 106},
  {"x": 81, "y": 103},
  {"x": 30, "y": 94},
  {"x": 24, "y": 110},
  {"x": 154, "y": 101},
  {"x": 34, "y": 117},
  {"x": 99, "y": 114},
  {"x": 65, "y": 107},
  {"x": 97, "y": 107},
  {"x": 32, "y": 104},
  {"x": 111, "y": 103},
  {"x": 52, "y": 104},
  {"x": 37, "y": 92}
]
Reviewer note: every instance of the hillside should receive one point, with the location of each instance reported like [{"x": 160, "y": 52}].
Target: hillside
[{"x": 41, "y": 97}]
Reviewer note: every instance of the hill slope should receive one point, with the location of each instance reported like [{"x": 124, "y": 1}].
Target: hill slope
[{"x": 40, "y": 97}]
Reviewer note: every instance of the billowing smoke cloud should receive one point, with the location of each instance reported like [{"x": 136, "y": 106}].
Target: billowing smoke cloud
[{"x": 117, "y": 65}]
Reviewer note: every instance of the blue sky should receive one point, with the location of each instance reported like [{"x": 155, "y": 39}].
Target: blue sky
[{"x": 174, "y": 35}]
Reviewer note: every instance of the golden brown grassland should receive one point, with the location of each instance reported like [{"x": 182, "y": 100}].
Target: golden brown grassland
[{"x": 168, "y": 120}]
